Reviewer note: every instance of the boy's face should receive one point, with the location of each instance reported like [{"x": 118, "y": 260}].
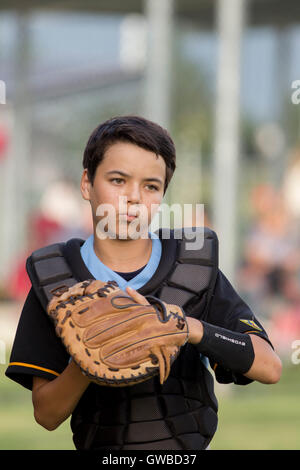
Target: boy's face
[{"x": 130, "y": 183}]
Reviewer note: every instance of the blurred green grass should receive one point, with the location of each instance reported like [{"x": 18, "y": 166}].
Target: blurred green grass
[
  {"x": 18, "y": 428},
  {"x": 261, "y": 417},
  {"x": 257, "y": 416}
]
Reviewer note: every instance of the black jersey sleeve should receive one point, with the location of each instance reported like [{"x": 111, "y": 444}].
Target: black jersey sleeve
[
  {"x": 228, "y": 310},
  {"x": 36, "y": 350}
]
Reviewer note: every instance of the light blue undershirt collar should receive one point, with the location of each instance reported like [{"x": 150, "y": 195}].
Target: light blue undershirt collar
[{"x": 103, "y": 273}]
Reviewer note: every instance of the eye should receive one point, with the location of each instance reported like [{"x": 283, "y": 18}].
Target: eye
[
  {"x": 117, "y": 180},
  {"x": 152, "y": 187}
]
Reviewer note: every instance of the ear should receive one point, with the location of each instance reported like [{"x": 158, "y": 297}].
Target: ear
[{"x": 85, "y": 186}]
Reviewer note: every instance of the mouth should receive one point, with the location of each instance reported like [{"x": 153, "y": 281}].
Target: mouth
[
  {"x": 127, "y": 217},
  {"x": 131, "y": 217}
]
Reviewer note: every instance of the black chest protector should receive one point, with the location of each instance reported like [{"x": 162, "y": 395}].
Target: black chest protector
[{"x": 181, "y": 413}]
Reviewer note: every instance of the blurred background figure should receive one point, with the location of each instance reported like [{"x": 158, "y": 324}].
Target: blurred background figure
[
  {"x": 62, "y": 215},
  {"x": 270, "y": 274}
]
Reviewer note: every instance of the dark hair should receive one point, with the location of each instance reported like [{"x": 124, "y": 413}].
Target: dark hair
[{"x": 134, "y": 129}]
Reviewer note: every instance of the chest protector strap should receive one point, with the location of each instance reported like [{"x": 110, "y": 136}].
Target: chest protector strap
[{"x": 194, "y": 271}]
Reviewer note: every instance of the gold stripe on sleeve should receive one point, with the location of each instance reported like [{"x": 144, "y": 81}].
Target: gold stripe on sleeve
[
  {"x": 252, "y": 331},
  {"x": 23, "y": 364}
]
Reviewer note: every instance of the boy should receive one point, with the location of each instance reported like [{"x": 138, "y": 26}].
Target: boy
[{"x": 133, "y": 158}]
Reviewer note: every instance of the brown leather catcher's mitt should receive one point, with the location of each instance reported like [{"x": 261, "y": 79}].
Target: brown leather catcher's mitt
[{"x": 113, "y": 339}]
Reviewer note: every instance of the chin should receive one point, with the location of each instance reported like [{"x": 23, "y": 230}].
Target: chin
[{"x": 132, "y": 232}]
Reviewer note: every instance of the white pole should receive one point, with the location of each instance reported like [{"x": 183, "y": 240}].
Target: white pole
[
  {"x": 230, "y": 19},
  {"x": 8, "y": 196},
  {"x": 158, "y": 81},
  {"x": 17, "y": 175},
  {"x": 159, "y": 16}
]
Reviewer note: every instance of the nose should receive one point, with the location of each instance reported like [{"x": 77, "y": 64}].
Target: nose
[{"x": 133, "y": 193}]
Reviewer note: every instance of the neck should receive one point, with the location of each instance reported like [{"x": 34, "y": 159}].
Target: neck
[{"x": 123, "y": 255}]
